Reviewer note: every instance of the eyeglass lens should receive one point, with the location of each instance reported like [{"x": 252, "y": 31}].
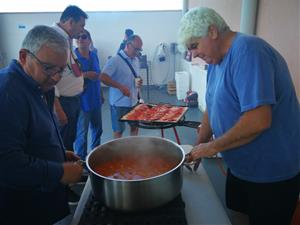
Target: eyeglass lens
[
  {"x": 136, "y": 49},
  {"x": 50, "y": 70},
  {"x": 83, "y": 37}
]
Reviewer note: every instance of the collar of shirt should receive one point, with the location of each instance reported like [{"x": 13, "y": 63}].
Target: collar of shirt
[
  {"x": 127, "y": 57},
  {"x": 63, "y": 33},
  {"x": 16, "y": 68}
]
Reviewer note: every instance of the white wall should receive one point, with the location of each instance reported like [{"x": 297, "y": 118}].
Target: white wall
[
  {"x": 107, "y": 30},
  {"x": 230, "y": 10}
]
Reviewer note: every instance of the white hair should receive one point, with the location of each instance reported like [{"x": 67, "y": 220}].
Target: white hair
[{"x": 195, "y": 24}]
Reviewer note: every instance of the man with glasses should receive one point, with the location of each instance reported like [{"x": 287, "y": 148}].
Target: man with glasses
[
  {"x": 33, "y": 168},
  {"x": 120, "y": 74},
  {"x": 69, "y": 88}
]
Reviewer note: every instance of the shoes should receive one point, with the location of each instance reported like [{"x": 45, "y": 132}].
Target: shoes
[{"x": 73, "y": 197}]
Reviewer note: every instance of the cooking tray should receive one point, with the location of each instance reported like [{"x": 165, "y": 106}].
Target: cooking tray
[
  {"x": 157, "y": 120},
  {"x": 156, "y": 124}
]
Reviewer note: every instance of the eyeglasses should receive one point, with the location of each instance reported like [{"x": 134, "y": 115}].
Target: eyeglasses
[
  {"x": 49, "y": 69},
  {"x": 136, "y": 49},
  {"x": 83, "y": 37},
  {"x": 192, "y": 46}
]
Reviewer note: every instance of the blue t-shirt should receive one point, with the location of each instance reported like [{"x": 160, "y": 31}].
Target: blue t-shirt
[
  {"x": 252, "y": 74},
  {"x": 90, "y": 98},
  {"x": 120, "y": 72}
]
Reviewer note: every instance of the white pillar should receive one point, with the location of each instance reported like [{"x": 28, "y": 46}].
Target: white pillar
[
  {"x": 248, "y": 16},
  {"x": 185, "y": 6}
]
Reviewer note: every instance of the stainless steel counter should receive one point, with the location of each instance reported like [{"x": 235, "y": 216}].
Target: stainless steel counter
[{"x": 203, "y": 206}]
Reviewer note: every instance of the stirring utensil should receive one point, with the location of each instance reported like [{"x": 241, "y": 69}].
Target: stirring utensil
[
  {"x": 193, "y": 165},
  {"x": 140, "y": 100}
]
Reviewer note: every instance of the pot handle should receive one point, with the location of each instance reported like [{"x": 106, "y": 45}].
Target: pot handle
[
  {"x": 191, "y": 166},
  {"x": 191, "y": 124}
]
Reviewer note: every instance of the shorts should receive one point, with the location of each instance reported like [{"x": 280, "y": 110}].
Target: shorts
[
  {"x": 116, "y": 113},
  {"x": 265, "y": 203}
]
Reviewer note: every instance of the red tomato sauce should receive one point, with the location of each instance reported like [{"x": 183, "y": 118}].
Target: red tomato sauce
[{"x": 135, "y": 168}]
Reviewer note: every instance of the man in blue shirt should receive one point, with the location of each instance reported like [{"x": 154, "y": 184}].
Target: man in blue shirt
[
  {"x": 33, "y": 167},
  {"x": 123, "y": 91},
  {"x": 254, "y": 115}
]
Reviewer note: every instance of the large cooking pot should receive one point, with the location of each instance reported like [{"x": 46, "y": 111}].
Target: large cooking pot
[{"x": 138, "y": 194}]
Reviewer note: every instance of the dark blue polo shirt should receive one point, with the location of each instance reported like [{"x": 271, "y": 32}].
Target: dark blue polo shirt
[{"x": 31, "y": 150}]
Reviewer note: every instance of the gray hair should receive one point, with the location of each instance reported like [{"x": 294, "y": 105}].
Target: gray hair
[
  {"x": 195, "y": 23},
  {"x": 40, "y": 36}
]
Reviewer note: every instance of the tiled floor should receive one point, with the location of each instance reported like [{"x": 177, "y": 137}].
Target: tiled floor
[{"x": 186, "y": 135}]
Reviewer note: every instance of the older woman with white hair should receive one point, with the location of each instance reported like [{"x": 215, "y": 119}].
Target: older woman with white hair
[{"x": 253, "y": 113}]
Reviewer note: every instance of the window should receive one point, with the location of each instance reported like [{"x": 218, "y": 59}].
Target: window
[{"x": 12, "y": 6}]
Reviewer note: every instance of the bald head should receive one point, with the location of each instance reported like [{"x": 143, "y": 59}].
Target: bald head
[{"x": 134, "y": 46}]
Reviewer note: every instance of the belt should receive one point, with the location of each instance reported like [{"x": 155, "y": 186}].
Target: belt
[{"x": 75, "y": 96}]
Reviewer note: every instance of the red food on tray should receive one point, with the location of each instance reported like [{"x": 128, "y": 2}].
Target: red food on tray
[{"x": 155, "y": 113}]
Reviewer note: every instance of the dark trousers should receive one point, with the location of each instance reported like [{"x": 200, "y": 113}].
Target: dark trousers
[
  {"x": 71, "y": 107},
  {"x": 265, "y": 203}
]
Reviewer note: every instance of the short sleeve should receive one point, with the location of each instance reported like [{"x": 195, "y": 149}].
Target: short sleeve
[
  {"x": 110, "y": 67},
  {"x": 253, "y": 78}
]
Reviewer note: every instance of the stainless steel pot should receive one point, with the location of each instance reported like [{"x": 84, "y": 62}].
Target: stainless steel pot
[{"x": 136, "y": 195}]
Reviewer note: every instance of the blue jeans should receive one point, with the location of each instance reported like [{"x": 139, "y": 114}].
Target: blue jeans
[{"x": 88, "y": 123}]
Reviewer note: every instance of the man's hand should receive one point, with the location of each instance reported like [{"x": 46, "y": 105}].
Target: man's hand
[
  {"x": 72, "y": 172},
  {"x": 92, "y": 75},
  {"x": 62, "y": 117},
  {"x": 125, "y": 90},
  {"x": 138, "y": 82},
  {"x": 71, "y": 156},
  {"x": 202, "y": 150},
  {"x": 60, "y": 113}
]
